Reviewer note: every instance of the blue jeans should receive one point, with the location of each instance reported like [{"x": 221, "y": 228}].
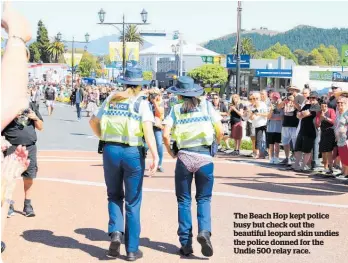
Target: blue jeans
[
  {"x": 159, "y": 144},
  {"x": 315, "y": 161},
  {"x": 124, "y": 164},
  {"x": 78, "y": 110},
  {"x": 204, "y": 180}
]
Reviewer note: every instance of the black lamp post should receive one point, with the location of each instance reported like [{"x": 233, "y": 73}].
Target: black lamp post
[
  {"x": 176, "y": 49},
  {"x": 101, "y": 15},
  {"x": 59, "y": 38}
]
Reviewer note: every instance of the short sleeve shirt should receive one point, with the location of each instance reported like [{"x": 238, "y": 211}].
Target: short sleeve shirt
[{"x": 21, "y": 131}]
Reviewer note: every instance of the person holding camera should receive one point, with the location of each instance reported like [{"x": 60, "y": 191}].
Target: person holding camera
[
  {"x": 158, "y": 112},
  {"x": 197, "y": 129},
  {"x": 22, "y": 131}
]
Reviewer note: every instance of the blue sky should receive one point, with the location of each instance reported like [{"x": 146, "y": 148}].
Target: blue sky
[{"x": 198, "y": 21}]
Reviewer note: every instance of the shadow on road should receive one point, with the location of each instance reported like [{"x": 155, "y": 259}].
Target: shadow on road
[
  {"x": 94, "y": 234},
  {"x": 294, "y": 188},
  {"x": 47, "y": 238},
  {"x": 82, "y": 134}
]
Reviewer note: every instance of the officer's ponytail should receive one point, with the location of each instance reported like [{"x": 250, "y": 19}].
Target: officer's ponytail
[{"x": 190, "y": 103}]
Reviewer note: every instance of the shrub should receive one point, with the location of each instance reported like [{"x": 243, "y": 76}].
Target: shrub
[{"x": 245, "y": 145}]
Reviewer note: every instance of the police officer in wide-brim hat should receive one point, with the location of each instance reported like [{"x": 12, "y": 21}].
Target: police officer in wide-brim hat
[
  {"x": 122, "y": 122},
  {"x": 196, "y": 128}
]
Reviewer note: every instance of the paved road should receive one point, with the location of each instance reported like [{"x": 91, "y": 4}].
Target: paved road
[
  {"x": 62, "y": 130},
  {"x": 70, "y": 201}
]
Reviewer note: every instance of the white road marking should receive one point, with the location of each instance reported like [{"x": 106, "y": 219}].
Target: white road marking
[
  {"x": 224, "y": 194},
  {"x": 85, "y": 159}
]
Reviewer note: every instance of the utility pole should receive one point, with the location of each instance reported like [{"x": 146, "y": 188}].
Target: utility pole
[
  {"x": 239, "y": 22},
  {"x": 181, "y": 54}
]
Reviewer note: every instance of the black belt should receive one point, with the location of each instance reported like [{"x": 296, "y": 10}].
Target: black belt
[
  {"x": 202, "y": 148},
  {"x": 116, "y": 143}
]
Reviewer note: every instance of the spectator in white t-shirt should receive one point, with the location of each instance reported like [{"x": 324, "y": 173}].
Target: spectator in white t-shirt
[{"x": 259, "y": 113}]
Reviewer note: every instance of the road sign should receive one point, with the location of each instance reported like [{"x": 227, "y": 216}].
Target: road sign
[
  {"x": 320, "y": 75},
  {"x": 231, "y": 61},
  {"x": 207, "y": 59},
  {"x": 274, "y": 73},
  {"x": 340, "y": 76}
]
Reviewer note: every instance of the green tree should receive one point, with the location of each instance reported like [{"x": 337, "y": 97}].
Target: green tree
[
  {"x": 104, "y": 59},
  {"x": 43, "y": 42},
  {"x": 87, "y": 64},
  {"x": 278, "y": 50},
  {"x": 35, "y": 55},
  {"x": 302, "y": 56},
  {"x": 247, "y": 47},
  {"x": 147, "y": 75},
  {"x": 335, "y": 55},
  {"x": 209, "y": 74},
  {"x": 132, "y": 35},
  {"x": 315, "y": 58},
  {"x": 55, "y": 50}
]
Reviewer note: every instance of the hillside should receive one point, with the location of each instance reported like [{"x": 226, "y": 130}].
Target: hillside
[{"x": 300, "y": 37}]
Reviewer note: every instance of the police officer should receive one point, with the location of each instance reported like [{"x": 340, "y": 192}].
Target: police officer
[
  {"x": 196, "y": 127},
  {"x": 122, "y": 121}
]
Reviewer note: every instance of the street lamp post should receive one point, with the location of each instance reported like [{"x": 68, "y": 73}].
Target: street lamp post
[
  {"x": 101, "y": 15},
  {"x": 175, "y": 49},
  {"x": 59, "y": 38},
  {"x": 239, "y": 21}
]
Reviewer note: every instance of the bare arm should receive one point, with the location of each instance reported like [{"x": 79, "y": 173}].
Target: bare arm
[
  {"x": 166, "y": 139},
  {"x": 150, "y": 138},
  {"x": 94, "y": 123},
  {"x": 14, "y": 63}
]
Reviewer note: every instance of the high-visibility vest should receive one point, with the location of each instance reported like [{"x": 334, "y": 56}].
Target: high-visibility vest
[
  {"x": 194, "y": 128},
  {"x": 122, "y": 123}
]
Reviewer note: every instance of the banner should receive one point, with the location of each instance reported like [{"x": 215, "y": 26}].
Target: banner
[
  {"x": 340, "y": 76},
  {"x": 320, "y": 75},
  {"x": 68, "y": 58},
  {"x": 116, "y": 51},
  {"x": 344, "y": 55}
]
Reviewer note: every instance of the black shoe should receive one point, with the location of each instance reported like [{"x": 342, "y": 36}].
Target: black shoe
[
  {"x": 28, "y": 210},
  {"x": 3, "y": 246},
  {"x": 204, "y": 239},
  {"x": 133, "y": 256},
  {"x": 186, "y": 251},
  {"x": 10, "y": 211},
  {"x": 116, "y": 241}
]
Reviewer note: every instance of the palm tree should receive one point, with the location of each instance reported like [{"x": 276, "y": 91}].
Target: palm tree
[
  {"x": 247, "y": 47},
  {"x": 132, "y": 35},
  {"x": 56, "y": 49}
]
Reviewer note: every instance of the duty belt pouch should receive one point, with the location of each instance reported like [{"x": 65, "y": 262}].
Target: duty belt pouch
[
  {"x": 213, "y": 149},
  {"x": 101, "y": 145},
  {"x": 175, "y": 148}
]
